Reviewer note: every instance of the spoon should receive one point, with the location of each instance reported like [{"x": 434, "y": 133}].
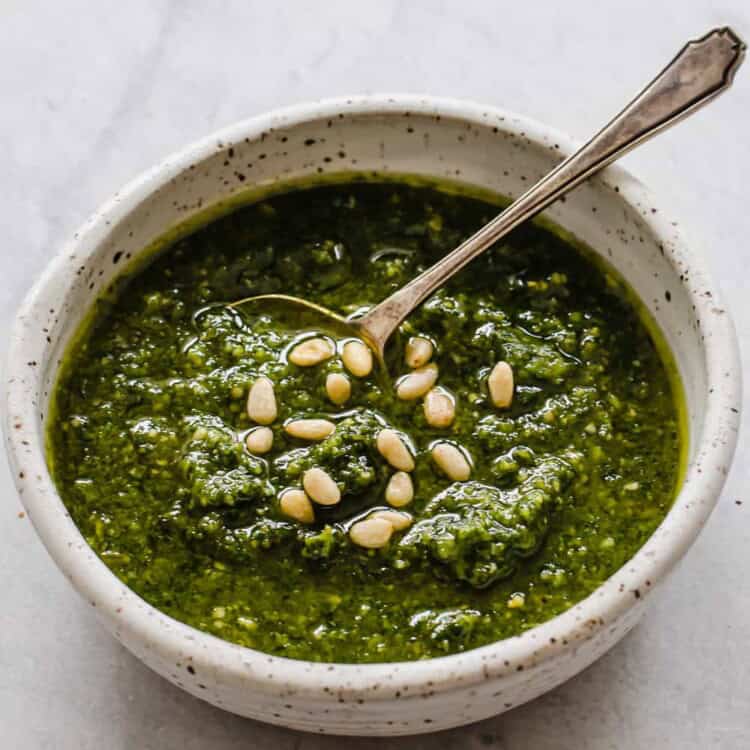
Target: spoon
[{"x": 702, "y": 70}]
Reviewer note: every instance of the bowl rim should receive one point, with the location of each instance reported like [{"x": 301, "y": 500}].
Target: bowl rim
[{"x": 275, "y": 675}]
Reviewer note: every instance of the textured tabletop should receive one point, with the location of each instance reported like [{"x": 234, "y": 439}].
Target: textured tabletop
[{"x": 94, "y": 92}]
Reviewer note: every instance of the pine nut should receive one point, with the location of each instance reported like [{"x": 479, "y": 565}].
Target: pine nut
[
  {"x": 418, "y": 351},
  {"x": 261, "y": 402},
  {"x": 399, "y": 491},
  {"x": 259, "y": 440},
  {"x": 338, "y": 388},
  {"x": 417, "y": 383},
  {"x": 372, "y": 533},
  {"x": 309, "y": 429},
  {"x": 394, "y": 450},
  {"x": 311, "y": 352},
  {"x": 357, "y": 358},
  {"x": 500, "y": 384},
  {"x": 439, "y": 408},
  {"x": 320, "y": 487},
  {"x": 399, "y": 521},
  {"x": 451, "y": 461},
  {"x": 296, "y": 504}
]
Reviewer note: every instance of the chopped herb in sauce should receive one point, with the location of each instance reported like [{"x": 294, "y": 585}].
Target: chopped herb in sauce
[{"x": 349, "y": 519}]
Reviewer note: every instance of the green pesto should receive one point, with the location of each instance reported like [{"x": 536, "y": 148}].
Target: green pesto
[{"x": 146, "y": 442}]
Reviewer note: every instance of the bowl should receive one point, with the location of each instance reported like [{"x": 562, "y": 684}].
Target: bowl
[{"x": 480, "y": 146}]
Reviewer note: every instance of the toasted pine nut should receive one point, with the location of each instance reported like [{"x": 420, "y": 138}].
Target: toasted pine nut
[
  {"x": 451, "y": 461},
  {"x": 311, "y": 352},
  {"x": 320, "y": 487},
  {"x": 372, "y": 533},
  {"x": 357, "y": 358},
  {"x": 418, "y": 351},
  {"x": 439, "y": 407},
  {"x": 296, "y": 504},
  {"x": 338, "y": 388},
  {"x": 309, "y": 429},
  {"x": 417, "y": 383},
  {"x": 399, "y": 491},
  {"x": 261, "y": 402},
  {"x": 394, "y": 450},
  {"x": 399, "y": 521},
  {"x": 500, "y": 384},
  {"x": 259, "y": 440}
]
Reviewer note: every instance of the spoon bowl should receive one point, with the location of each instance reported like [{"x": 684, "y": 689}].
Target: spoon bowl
[{"x": 297, "y": 313}]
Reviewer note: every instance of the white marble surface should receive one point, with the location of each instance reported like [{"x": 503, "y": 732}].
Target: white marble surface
[{"x": 94, "y": 92}]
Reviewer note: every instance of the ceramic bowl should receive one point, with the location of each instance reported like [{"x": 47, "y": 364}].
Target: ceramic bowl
[{"x": 481, "y": 146}]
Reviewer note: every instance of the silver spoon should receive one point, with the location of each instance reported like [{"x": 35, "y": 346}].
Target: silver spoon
[{"x": 702, "y": 70}]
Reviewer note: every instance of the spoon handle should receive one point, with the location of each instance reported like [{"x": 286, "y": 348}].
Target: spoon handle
[{"x": 702, "y": 70}]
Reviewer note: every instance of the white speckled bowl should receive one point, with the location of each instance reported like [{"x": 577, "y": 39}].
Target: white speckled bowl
[{"x": 435, "y": 137}]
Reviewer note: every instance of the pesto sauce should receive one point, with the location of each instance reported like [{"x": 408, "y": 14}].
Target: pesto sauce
[{"x": 147, "y": 439}]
